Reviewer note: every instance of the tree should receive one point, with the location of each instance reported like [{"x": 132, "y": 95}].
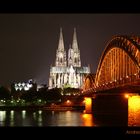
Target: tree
[
  {"x": 4, "y": 93},
  {"x": 29, "y": 96},
  {"x": 54, "y": 94}
]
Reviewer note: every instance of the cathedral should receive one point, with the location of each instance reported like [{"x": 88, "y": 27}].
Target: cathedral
[{"x": 67, "y": 71}]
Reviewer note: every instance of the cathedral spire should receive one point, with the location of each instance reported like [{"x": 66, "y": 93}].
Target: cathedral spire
[
  {"x": 74, "y": 43},
  {"x": 76, "y": 52},
  {"x": 61, "y": 41},
  {"x": 67, "y": 70},
  {"x": 61, "y": 53},
  {"x": 70, "y": 56}
]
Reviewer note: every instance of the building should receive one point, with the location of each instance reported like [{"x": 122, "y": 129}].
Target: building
[
  {"x": 67, "y": 71},
  {"x": 23, "y": 86}
]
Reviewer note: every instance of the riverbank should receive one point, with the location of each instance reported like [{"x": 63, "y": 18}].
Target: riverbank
[{"x": 42, "y": 107}]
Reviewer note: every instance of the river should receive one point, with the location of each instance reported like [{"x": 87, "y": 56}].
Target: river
[{"x": 42, "y": 118}]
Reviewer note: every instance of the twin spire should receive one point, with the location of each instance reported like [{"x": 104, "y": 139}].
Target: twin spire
[
  {"x": 73, "y": 52},
  {"x": 74, "y": 43},
  {"x": 61, "y": 41}
]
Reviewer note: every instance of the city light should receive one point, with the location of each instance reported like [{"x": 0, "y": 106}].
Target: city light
[
  {"x": 134, "y": 111},
  {"x": 126, "y": 96},
  {"x": 88, "y": 119},
  {"x": 66, "y": 83},
  {"x": 68, "y": 102},
  {"x": 88, "y": 105},
  {"x": 23, "y": 86}
]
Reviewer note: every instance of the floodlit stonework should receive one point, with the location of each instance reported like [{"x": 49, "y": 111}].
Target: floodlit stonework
[{"x": 67, "y": 71}]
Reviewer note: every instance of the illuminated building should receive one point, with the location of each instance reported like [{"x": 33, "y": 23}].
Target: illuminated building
[
  {"x": 23, "y": 85},
  {"x": 67, "y": 70},
  {"x": 21, "y": 88}
]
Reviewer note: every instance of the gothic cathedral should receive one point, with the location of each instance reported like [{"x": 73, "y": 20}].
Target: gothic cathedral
[{"x": 67, "y": 71}]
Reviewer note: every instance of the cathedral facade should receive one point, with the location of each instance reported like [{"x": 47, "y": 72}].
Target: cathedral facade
[{"x": 67, "y": 71}]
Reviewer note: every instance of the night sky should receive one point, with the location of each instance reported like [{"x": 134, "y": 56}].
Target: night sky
[{"x": 28, "y": 42}]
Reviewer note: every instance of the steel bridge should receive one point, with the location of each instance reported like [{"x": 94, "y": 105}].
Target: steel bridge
[{"x": 118, "y": 68}]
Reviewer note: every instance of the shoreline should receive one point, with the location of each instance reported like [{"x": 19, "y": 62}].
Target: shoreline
[{"x": 51, "y": 108}]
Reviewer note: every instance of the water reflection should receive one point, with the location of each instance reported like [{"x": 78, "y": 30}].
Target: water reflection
[
  {"x": 45, "y": 118},
  {"x": 72, "y": 118},
  {"x": 11, "y": 118},
  {"x": 134, "y": 111},
  {"x": 40, "y": 118},
  {"x": 2, "y": 117},
  {"x": 23, "y": 114},
  {"x": 87, "y": 119}
]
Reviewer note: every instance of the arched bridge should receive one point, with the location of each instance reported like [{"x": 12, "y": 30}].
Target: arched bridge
[{"x": 119, "y": 65}]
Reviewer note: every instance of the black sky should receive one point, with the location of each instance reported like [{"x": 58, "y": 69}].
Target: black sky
[{"x": 28, "y": 42}]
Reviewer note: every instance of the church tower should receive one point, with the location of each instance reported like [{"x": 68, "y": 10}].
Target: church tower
[
  {"x": 74, "y": 52},
  {"x": 70, "y": 56},
  {"x": 61, "y": 53},
  {"x": 67, "y": 72}
]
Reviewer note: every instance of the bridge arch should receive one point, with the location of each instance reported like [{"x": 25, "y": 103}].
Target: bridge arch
[
  {"x": 89, "y": 82},
  {"x": 119, "y": 63}
]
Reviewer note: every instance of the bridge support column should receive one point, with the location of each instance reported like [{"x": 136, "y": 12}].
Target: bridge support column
[
  {"x": 88, "y": 105},
  {"x": 110, "y": 109}
]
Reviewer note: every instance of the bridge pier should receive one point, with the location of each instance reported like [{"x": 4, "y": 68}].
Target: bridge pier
[
  {"x": 88, "y": 105},
  {"x": 110, "y": 109},
  {"x": 109, "y": 102}
]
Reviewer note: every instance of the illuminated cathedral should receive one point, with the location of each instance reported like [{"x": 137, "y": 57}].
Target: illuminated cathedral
[{"x": 67, "y": 71}]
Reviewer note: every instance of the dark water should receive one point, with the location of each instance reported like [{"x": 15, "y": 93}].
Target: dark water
[
  {"x": 41, "y": 118},
  {"x": 45, "y": 118},
  {"x": 64, "y": 118}
]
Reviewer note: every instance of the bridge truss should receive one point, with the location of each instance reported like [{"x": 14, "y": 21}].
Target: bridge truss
[{"x": 119, "y": 64}]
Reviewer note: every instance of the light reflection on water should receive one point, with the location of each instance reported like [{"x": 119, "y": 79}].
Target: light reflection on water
[
  {"x": 2, "y": 117},
  {"x": 134, "y": 111},
  {"x": 68, "y": 118},
  {"x": 11, "y": 118},
  {"x": 40, "y": 118},
  {"x": 45, "y": 118},
  {"x": 87, "y": 119}
]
